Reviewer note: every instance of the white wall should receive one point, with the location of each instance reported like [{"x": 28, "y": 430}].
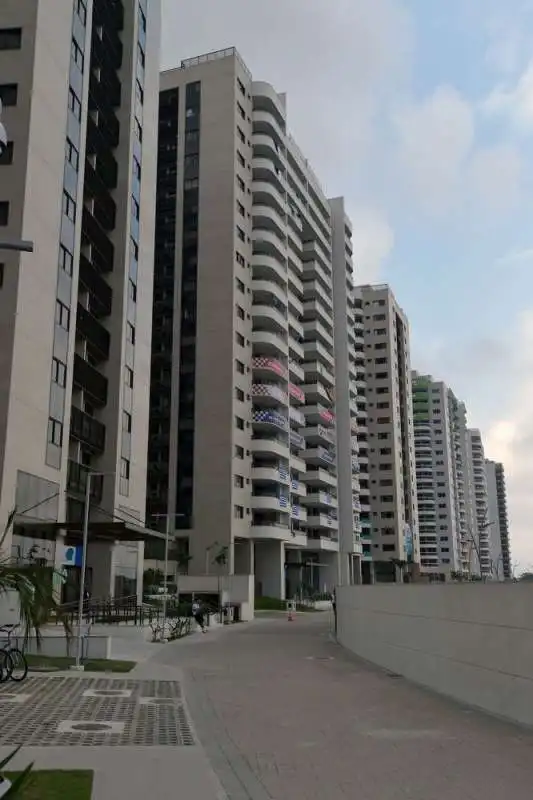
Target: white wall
[
  {"x": 473, "y": 642},
  {"x": 238, "y": 589}
]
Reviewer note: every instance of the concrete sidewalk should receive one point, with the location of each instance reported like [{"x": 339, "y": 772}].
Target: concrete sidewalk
[{"x": 284, "y": 713}]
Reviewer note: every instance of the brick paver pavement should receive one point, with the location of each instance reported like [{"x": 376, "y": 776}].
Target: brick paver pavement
[{"x": 284, "y": 713}]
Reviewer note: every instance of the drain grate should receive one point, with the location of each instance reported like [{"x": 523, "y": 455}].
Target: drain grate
[{"x": 111, "y": 712}]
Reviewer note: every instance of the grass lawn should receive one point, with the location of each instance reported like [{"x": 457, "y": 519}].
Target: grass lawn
[
  {"x": 37, "y": 662},
  {"x": 56, "y": 785}
]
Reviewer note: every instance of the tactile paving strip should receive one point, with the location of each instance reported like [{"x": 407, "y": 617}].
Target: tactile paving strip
[{"x": 53, "y": 700}]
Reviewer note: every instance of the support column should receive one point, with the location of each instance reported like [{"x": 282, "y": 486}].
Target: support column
[
  {"x": 270, "y": 569},
  {"x": 244, "y": 557}
]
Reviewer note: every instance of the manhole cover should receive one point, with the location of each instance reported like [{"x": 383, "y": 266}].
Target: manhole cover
[
  {"x": 90, "y": 726},
  {"x": 156, "y": 701}
]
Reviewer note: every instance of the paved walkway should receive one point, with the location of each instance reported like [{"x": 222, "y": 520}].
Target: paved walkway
[
  {"x": 279, "y": 712},
  {"x": 286, "y": 714}
]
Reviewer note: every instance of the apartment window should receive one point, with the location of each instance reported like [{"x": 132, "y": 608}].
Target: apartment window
[
  {"x": 4, "y": 212},
  {"x": 380, "y": 331},
  {"x": 74, "y": 103},
  {"x": 386, "y": 482},
  {"x": 137, "y": 127},
  {"x": 240, "y": 84},
  {"x": 388, "y": 548},
  {"x": 139, "y": 92},
  {"x": 239, "y": 451},
  {"x": 239, "y": 366},
  {"x": 69, "y": 206},
  {"x": 240, "y": 109},
  {"x": 383, "y": 435},
  {"x": 238, "y": 481},
  {"x": 383, "y": 420},
  {"x": 239, "y": 338},
  {"x": 59, "y": 372},
  {"x": 241, "y": 234},
  {"x": 379, "y": 317},
  {"x": 387, "y": 515},
  {"x": 240, "y": 312},
  {"x": 380, "y": 346},
  {"x": 240, "y": 285},
  {"x": 239, "y": 423},
  {"x": 240, "y": 183},
  {"x": 238, "y": 512},
  {"x": 55, "y": 432},
  {"x": 82, "y": 11},
  {"x": 136, "y": 169},
  {"x": 385, "y": 451},
  {"x": 1, "y": 274},
  {"x": 240, "y": 208},
  {"x": 125, "y": 469},
  {"x": 77, "y": 54},
  {"x": 386, "y": 498},
  {"x": 241, "y": 135},
  {"x": 135, "y": 210},
  {"x": 132, "y": 291},
  {"x": 62, "y": 315},
  {"x": 8, "y": 94},
  {"x": 126, "y": 422},
  {"x": 72, "y": 155},
  {"x": 386, "y": 467},
  {"x": 383, "y": 403},
  {"x": 130, "y": 333},
  {"x": 10, "y": 38},
  {"x": 239, "y": 258},
  {"x": 142, "y": 21},
  {"x": 382, "y": 360},
  {"x": 381, "y": 376},
  {"x": 239, "y": 394},
  {"x": 6, "y": 157},
  {"x": 240, "y": 158},
  {"x": 128, "y": 377}
]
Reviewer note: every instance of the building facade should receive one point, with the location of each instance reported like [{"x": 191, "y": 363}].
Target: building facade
[
  {"x": 243, "y": 447},
  {"x": 79, "y": 90},
  {"x": 480, "y": 524},
  {"x": 499, "y": 543},
  {"x": 390, "y": 439},
  {"x": 436, "y": 478}
]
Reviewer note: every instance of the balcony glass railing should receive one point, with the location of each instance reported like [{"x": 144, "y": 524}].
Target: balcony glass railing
[
  {"x": 268, "y": 417},
  {"x": 270, "y": 390},
  {"x": 269, "y": 365}
]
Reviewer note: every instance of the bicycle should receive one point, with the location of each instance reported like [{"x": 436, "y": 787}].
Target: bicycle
[{"x": 13, "y": 664}]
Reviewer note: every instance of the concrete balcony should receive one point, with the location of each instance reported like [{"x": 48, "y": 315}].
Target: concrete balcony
[
  {"x": 268, "y": 395},
  {"x": 319, "y": 478},
  {"x": 271, "y": 475},
  {"x": 268, "y": 341}
]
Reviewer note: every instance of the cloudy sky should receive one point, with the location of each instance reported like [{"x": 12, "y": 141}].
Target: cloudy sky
[{"x": 420, "y": 112}]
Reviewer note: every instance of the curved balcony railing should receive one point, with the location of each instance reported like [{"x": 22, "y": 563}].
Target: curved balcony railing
[
  {"x": 269, "y": 365},
  {"x": 296, "y": 415},
  {"x": 325, "y": 455},
  {"x": 270, "y": 390},
  {"x": 268, "y": 417},
  {"x": 296, "y": 393},
  {"x": 297, "y": 440}
]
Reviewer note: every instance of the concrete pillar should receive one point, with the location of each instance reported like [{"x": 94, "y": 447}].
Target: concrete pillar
[
  {"x": 356, "y": 570},
  {"x": 244, "y": 557},
  {"x": 100, "y": 560},
  {"x": 329, "y": 574},
  {"x": 345, "y": 569},
  {"x": 270, "y": 569},
  {"x": 293, "y": 573}
]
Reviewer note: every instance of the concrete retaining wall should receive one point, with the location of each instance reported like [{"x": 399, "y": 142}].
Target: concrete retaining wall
[
  {"x": 238, "y": 589},
  {"x": 473, "y": 642}
]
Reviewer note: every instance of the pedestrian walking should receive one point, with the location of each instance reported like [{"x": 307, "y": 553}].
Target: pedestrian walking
[{"x": 198, "y": 614}]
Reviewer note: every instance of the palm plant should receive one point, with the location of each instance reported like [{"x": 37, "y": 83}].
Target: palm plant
[{"x": 33, "y": 586}]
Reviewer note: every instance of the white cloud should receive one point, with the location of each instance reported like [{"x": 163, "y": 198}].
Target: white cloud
[
  {"x": 443, "y": 167},
  {"x": 513, "y": 101},
  {"x": 435, "y": 138},
  {"x": 516, "y": 257},
  {"x": 373, "y": 240}
]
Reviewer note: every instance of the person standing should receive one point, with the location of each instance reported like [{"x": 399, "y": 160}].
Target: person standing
[{"x": 198, "y": 614}]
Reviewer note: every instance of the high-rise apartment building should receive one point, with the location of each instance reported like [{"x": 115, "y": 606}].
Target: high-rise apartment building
[
  {"x": 390, "y": 444},
  {"x": 500, "y": 550},
  {"x": 436, "y": 469},
  {"x": 479, "y": 527},
  {"x": 346, "y": 396},
  {"x": 360, "y": 402},
  {"x": 79, "y": 88},
  {"x": 464, "y": 490},
  {"x": 243, "y": 447}
]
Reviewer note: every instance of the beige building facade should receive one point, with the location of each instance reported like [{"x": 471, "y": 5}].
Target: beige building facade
[
  {"x": 79, "y": 90},
  {"x": 243, "y": 453}
]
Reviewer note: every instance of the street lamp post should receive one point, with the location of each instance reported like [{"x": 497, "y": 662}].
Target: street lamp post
[
  {"x": 167, "y": 517},
  {"x": 86, "y": 510}
]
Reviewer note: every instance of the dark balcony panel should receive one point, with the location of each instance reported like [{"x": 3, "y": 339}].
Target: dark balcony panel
[
  {"x": 107, "y": 50},
  {"x": 86, "y": 429},
  {"x": 104, "y": 94},
  {"x": 88, "y": 327},
  {"x": 105, "y": 210},
  {"x": 101, "y": 293},
  {"x": 94, "y": 235},
  {"x": 88, "y": 379},
  {"x": 106, "y": 122},
  {"x": 77, "y": 481}
]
